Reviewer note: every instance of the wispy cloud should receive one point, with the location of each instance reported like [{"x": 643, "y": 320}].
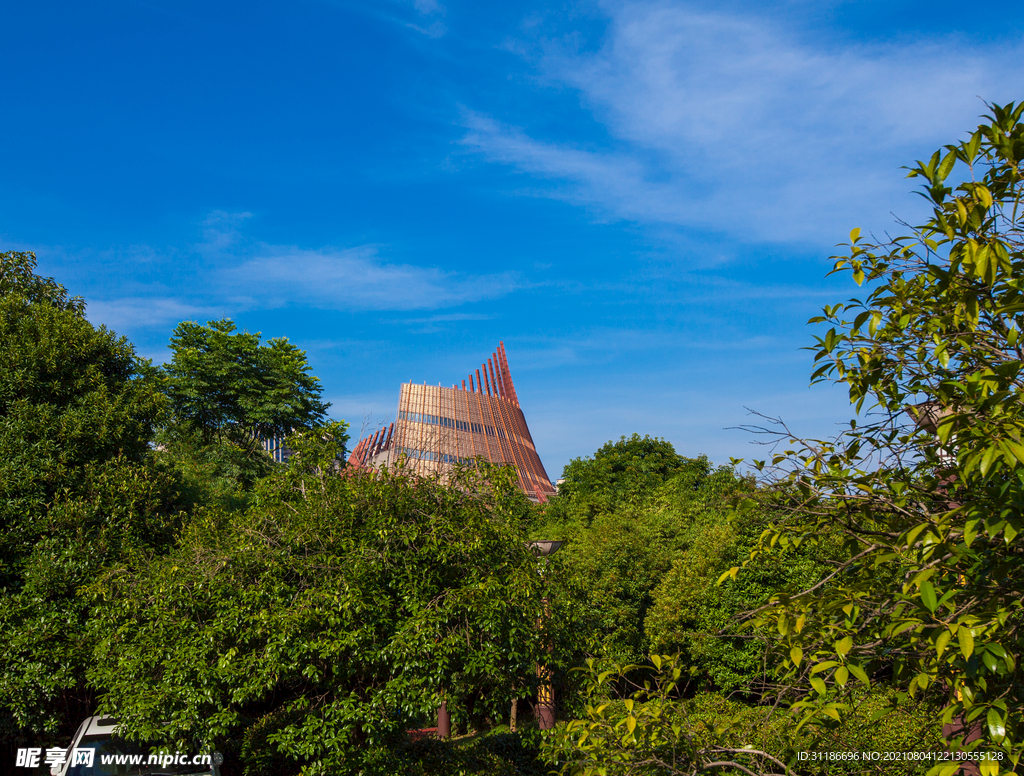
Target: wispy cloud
[
  {"x": 357, "y": 279},
  {"x": 450, "y": 317},
  {"x": 140, "y": 312},
  {"x": 222, "y": 230},
  {"x": 417, "y": 15},
  {"x": 603, "y": 345},
  {"x": 738, "y": 123},
  {"x": 432, "y": 324},
  {"x": 237, "y": 274}
]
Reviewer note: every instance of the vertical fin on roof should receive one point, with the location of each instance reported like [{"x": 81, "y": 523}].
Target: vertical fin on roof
[{"x": 510, "y": 388}]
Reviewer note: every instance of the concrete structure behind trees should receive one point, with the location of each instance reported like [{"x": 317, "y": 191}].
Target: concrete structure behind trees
[{"x": 437, "y": 427}]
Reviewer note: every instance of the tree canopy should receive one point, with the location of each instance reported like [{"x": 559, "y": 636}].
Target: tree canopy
[
  {"x": 18, "y": 278},
  {"x": 927, "y": 486},
  {"x": 227, "y": 384},
  {"x": 620, "y": 474},
  {"x": 341, "y": 608},
  {"x": 229, "y": 393},
  {"x": 78, "y": 488}
]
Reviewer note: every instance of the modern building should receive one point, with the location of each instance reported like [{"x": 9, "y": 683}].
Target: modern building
[
  {"x": 437, "y": 427},
  {"x": 276, "y": 449}
]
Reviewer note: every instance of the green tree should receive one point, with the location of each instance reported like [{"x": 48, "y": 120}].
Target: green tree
[
  {"x": 649, "y": 730},
  {"x": 337, "y": 611},
  {"x": 636, "y": 722},
  {"x": 690, "y": 613},
  {"x": 649, "y": 566},
  {"x": 621, "y": 474},
  {"x": 927, "y": 488},
  {"x": 228, "y": 392},
  {"x": 226, "y": 384},
  {"x": 78, "y": 488},
  {"x": 620, "y": 541},
  {"x": 18, "y": 278}
]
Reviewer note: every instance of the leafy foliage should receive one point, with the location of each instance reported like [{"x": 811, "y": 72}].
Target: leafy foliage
[
  {"x": 226, "y": 384},
  {"x": 618, "y": 544},
  {"x": 638, "y": 721},
  {"x": 621, "y": 474},
  {"x": 692, "y": 614},
  {"x": 927, "y": 490},
  {"x": 646, "y": 733},
  {"x": 77, "y": 488},
  {"x": 333, "y": 614},
  {"x": 228, "y": 393},
  {"x": 649, "y": 570},
  {"x": 496, "y": 753},
  {"x": 217, "y": 472},
  {"x": 18, "y": 278}
]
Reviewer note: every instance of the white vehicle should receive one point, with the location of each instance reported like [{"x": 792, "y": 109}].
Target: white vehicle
[{"x": 96, "y": 750}]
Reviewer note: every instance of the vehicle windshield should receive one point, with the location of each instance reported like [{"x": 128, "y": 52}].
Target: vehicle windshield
[{"x": 116, "y": 757}]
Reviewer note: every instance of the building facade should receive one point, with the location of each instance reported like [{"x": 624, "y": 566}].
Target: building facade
[{"x": 437, "y": 427}]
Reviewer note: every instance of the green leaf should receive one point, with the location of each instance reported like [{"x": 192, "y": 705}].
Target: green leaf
[
  {"x": 945, "y": 769},
  {"x": 859, "y": 674},
  {"x": 945, "y": 167},
  {"x": 843, "y": 645},
  {"x": 818, "y": 685},
  {"x": 1010, "y": 532},
  {"x": 885, "y": 711},
  {"x": 988, "y": 458},
  {"x": 971, "y": 531},
  {"x": 966, "y": 639},
  {"x": 1017, "y": 448},
  {"x": 928, "y": 596},
  {"x": 796, "y": 655},
  {"x": 730, "y": 573},
  {"x": 996, "y": 725},
  {"x": 990, "y": 661},
  {"x": 984, "y": 195},
  {"x": 876, "y": 319}
]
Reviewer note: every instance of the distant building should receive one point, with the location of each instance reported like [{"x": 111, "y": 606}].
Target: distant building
[
  {"x": 275, "y": 448},
  {"x": 437, "y": 427}
]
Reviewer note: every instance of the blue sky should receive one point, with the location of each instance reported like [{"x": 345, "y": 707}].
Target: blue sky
[{"x": 639, "y": 198}]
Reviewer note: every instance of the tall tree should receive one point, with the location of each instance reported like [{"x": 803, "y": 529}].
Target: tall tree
[
  {"x": 339, "y": 610},
  {"x": 229, "y": 392},
  {"x": 226, "y": 384},
  {"x": 927, "y": 489},
  {"x": 77, "y": 487},
  {"x": 620, "y": 475}
]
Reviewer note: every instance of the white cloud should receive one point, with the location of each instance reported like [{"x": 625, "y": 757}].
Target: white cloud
[
  {"x": 737, "y": 122},
  {"x": 428, "y": 6},
  {"x": 238, "y": 275},
  {"x": 400, "y": 12},
  {"x": 447, "y": 318},
  {"x": 222, "y": 230},
  {"x": 130, "y": 313},
  {"x": 600, "y": 345},
  {"x": 356, "y": 279}
]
